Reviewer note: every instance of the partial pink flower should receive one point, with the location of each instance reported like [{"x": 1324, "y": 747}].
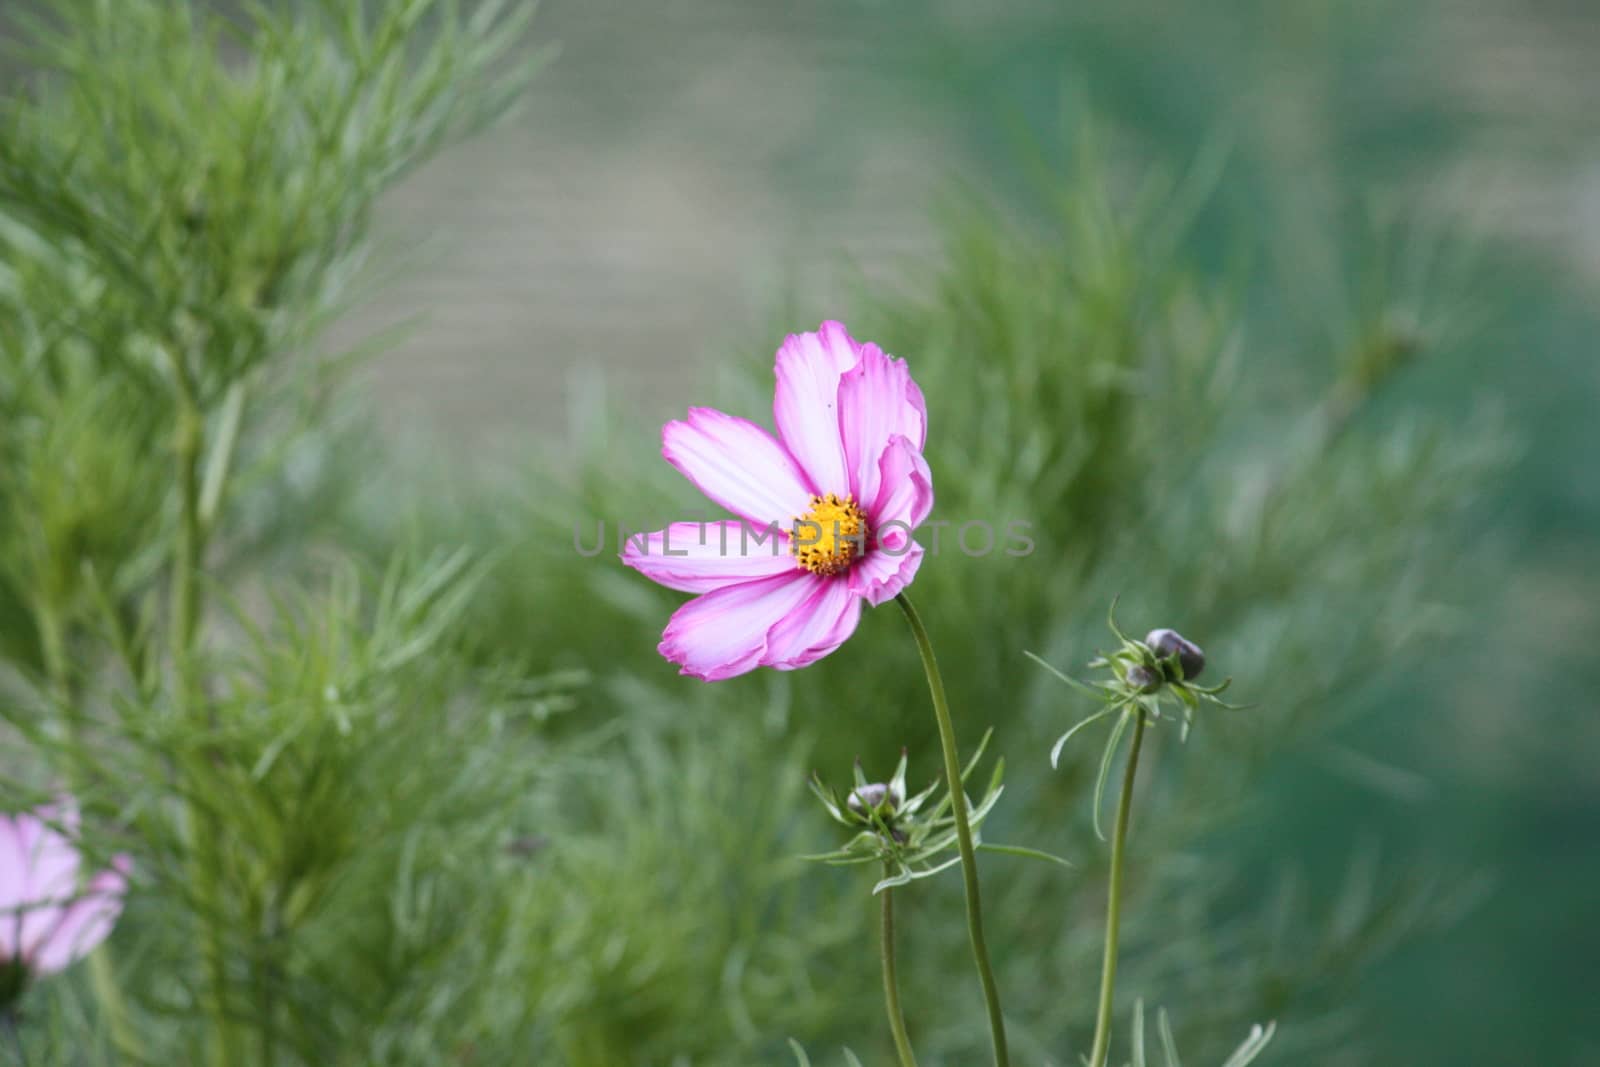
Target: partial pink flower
[
  {"x": 47, "y": 918},
  {"x": 826, "y": 511}
]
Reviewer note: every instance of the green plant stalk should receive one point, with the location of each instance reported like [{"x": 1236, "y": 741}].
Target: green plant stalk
[
  {"x": 891, "y": 983},
  {"x": 53, "y": 646},
  {"x": 958, "y": 808},
  {"x": 190, "y": 552},
  {"x": 185, "y": 608},
  {"x": 1119, "y": 837},
  {"x": 102, "y": 977}
]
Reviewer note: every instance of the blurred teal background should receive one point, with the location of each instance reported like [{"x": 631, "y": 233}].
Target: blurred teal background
[{"x": 684, "y": 167}]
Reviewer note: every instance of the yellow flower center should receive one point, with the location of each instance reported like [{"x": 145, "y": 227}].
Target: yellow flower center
[{"x": 829, "y": 537}]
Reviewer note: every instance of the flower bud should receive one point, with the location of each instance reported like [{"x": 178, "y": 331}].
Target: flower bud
[
  {"x": 875, "y": 796},
  {"x": 1143, "y": 679},
  {"x": 1167, "y": 643}
]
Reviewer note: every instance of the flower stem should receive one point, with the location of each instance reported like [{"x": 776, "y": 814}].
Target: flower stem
[
  {"x": 891, "y": 984},
  {"x": 958, "y": 808},
  {"x": 8, "y": 1021},
  {"x": 185, "y": 595},
  {"x": 1119, "y": 837},
  {"x": 186, "y": 606}
]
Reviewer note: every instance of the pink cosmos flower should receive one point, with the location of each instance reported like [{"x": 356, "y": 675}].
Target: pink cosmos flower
[
  {"x": 825, "y": 511},
  {"x": 46, "y": 920}
]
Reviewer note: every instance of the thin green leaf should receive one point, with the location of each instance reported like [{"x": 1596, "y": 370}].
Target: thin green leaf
[
  {"x": 1168, "y": 1045},
  {"x": 1082, "y": 687},
  {"x": 1253, "y": 1045},
  {"x": 1106, "y": 757},
  {"x": 1061, "y": 742},
  {"x": 1024, "y": 852}
]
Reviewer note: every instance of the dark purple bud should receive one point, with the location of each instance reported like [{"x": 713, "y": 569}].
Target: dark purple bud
[
  {"x": 1143, "y": 678},
  {"x": 1168, "y": 643}
]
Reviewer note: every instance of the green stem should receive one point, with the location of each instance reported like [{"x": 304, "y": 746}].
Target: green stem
[
  {"x": 53, "y": 646},
  {"x": 190, "y": 696},
  {"x": 103, "y": 980},
  {"x": 958, "y": 808},
  {"x": 891, "y": 984},
  {"x": 1119, "y": 837},
  {"x": 220, "y": 464},
  {"x": 190, "y": 552}
]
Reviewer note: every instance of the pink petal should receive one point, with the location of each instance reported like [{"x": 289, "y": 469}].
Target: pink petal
[
  {"x": 81, "y": 926},
  {"x": 50, "y": 871},
  {"x": 805, "y": 405},
  {"x": 53, "y": 858},
  {"x": 14, "y": 861},
  {"x": 698, "y": 557},
  {"x": 823, "y": 623},
  {"x": 877, "y": 401},
  {"x": 739, "y": 465},
  {"x": 905, "y": 488},
  {"x": 724, "y": 633},
  {"x": 881, "y": 575},
  {"x": 13, "y": 885}
]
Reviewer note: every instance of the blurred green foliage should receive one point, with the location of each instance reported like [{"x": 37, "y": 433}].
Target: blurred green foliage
[{"x": 392, "y": 801}]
